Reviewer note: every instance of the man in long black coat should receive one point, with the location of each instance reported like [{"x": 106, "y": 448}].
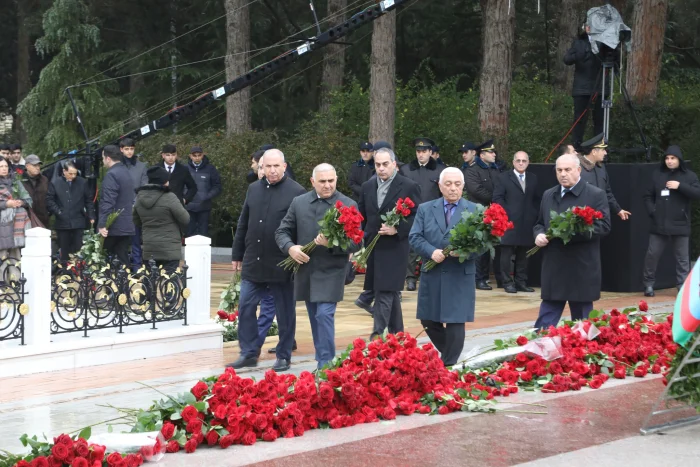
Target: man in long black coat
[
  {"x": 361, "y": 170},
  {"x": 255, "y": 254},
  {"x": 425, "y": 171},
  {"x": 387, "y": 264},
  {"x": 516, "y": 191},
  {"x": 180, "y": 182},
  {"x": 570, "y": 273}
]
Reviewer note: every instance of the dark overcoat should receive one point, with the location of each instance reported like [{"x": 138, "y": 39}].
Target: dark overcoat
[
  {"x": 596, "y": 175},
  {"x": 426, "y": 176},
  {"x": 521, "y": 206},
  {"x": 360, "y": 172},
  {"x": 322, "y": 279},
  {"x": 447, "y": 293},
  {"x": 386, "y": 268},
  {"x": 71, "y": 204},
  {"x": 572, "y": 272},
  {"x": 117, "y": 193},
  {"x": 264, "y": 208},
  {"x": 479, "y": 181},
  {"x": 181, "y": 182}
]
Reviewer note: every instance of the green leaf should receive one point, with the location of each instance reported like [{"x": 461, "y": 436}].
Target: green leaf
[
  {"x": 85, "y": 433},
  {"x": 188, "y": 398},
  {"x": 595, "y": 314},
  {"x": 176, "y": 416}
]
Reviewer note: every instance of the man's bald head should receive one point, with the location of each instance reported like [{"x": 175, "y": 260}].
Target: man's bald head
[
  {"x": 273, "y": 165},
  {"x": 568, "y": 170},
  {"x": 520, "y": 161}
]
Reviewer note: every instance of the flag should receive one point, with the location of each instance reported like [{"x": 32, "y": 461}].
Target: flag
[{"x": 686, "y": 313}]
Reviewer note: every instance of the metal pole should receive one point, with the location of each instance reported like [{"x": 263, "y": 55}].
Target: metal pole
[{"x": 77, "y": 115}]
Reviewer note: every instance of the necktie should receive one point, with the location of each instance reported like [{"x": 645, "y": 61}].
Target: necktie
[
  {"x": 170, "y": 169},
  {"x": 522, "y": 181},
  {"x": 566, "y": 190},
  {"x": 449, "y": 207}
]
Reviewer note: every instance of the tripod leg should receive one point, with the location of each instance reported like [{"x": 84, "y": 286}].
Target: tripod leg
[{"x": 630, "y": 106}]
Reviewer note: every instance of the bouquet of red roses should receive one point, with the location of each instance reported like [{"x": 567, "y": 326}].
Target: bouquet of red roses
[
  {"x": 477, "y": 231},
  {"x": 392, "y": 218},
  {"x": 341, "y": 227},
  {"x": 573, "y": 221}
]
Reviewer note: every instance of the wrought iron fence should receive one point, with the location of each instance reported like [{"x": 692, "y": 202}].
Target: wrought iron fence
[
  {"x": 86, "y": 298},
  {"x": 12, "y": 306}
]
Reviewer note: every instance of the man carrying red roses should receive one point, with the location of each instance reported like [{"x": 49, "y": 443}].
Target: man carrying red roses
[
  {"x": 570, "y": 272},
  {"x": 320, "y": 281},
  {"x": 386, "y": 265}
]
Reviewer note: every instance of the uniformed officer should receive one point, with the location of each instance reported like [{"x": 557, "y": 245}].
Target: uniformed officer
[
  {"x": 361, "y": 170},
  {"x": 436, "y": 155}
]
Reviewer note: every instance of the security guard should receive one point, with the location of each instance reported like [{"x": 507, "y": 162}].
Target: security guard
[{"x": 362, "y": 170}]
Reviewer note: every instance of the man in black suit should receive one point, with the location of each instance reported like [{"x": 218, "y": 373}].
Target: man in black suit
[
  {"x": 516, "y": 191},
  {"x": 387, "y": 264},
  {"x": 180, "y": 182}
]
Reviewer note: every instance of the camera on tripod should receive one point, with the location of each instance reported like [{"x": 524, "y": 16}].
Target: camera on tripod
[{"x": 607, "y": 33}]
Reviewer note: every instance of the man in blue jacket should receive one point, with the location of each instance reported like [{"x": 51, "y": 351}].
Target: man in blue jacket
[
  {"x": 117, "y": 194},
  {"x": 208, "y": 182}
]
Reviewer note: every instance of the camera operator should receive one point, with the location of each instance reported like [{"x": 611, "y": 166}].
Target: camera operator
[{"x": 587, "y": 70}]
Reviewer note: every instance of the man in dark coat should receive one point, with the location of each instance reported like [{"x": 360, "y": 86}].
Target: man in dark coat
[
  {"x": 480, "y": 179},
  {"x": 436, "y": 156},
  {"x": 468, "y": 151},
  {"x": 570, "y": 273},
  {"x": 117, "y": 193},
  {"x": 137, "y": 170},
  {"x": 16, "y": 160},
  {"x": 181, "y": 182},
  {"x": 70, "y": 200},
  {"x": 386, "y": 268},
  {"x": 425, "y": 171},
  {"x": 446, "y": 297},
  {"x": 667, "y": 200},
  {"x": 593, "y": 171},
  {"x": 320, "y": 281},
  {"x": 362, "y": 170},
  {"x": 255, "y": 254},
  {"x": 208, "y": 183},
  {"x": 587, "y": 82},
  {"x": 516, "y": 191},
  {"x": 37, "y": 185}
]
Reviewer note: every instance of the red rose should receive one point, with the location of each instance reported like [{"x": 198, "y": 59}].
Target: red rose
[
  {"x": 200, "y": 389},
  {"x": 326, "y": 392},
  {"x": 168, "y": 430},
  {"x": 132, "y": 460},
  {"x": 81, "y": 448},
  {"x": 249, "y": 438},
  {"x": 388, "y": 413},
  {"x": 232, "y": 317},
  {"x": 212, "y": 438},
  {"x": 620, "y": 373},
  {"x": 194, "y": 426},
  {"x": 222, "y": 314},
  {"x": 526, "y": 376},
  {"x": 189, "y": 413},
  {"x": 348, "y": 391},
  {"x": 42, "y": 462},
  {"x": 114, "y": 459},
  {"x": 172, "y": 446},
  {"x": 97, "y": 453},
  {"x": 220, "y": 412},
  {"x": 191, "y": 446},
  {"x": 656, "y": 369},
  {"x": 640, "y": 372},
  {"x": 23, "y": 463},
  {"x": 260, "y": 422},
  {"x": 359, "y": 344},
  {"x": 521, "y": 358},
  {"x": 60, "y": 451},
  {"x": 643, "y": 306},
  {"x": 522, "y": 340},
  {"x": 226, "y": 441},
  {"x": 595, "y": 383},
  {"x": 65, "y": 440},
  {"x": 269, "y": 435}
]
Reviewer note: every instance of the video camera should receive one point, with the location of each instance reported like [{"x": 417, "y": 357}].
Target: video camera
[{"x": 607, "y": 31}]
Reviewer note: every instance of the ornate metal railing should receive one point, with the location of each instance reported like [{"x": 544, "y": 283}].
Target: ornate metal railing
[
  {"x": 85, "y": 299},
  {"x": 12, "y": 306}
]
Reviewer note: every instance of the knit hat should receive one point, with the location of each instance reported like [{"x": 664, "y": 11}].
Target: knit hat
[{"x": 157, "y": 175}]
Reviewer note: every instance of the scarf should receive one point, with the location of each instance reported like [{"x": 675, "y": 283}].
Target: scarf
[{"x": 18, "y": 217}]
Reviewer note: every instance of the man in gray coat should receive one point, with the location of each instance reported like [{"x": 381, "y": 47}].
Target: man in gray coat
[
  {"x": 447, "y": 293},
  {"x": 137, "y": 171},
  {"x": 320, "y": 281}
]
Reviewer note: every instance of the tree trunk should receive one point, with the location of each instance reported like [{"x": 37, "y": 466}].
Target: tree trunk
[
  {"x": 382, "y": 86},
  {"x": 24, "y": 83},
  {"x": 568, "y": 24},
  {"x": 644, "y": 63},
  {"x": 238, "y": 116},
  {"x": 498, "y": 37},
  {"x": 334, "y": 64}
]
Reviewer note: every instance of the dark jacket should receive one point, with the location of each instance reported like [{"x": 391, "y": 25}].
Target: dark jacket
[
  {"x": 137, "y": 170},
  {"x": 572, "y": 272},
  {"x": 38, "y": 187},
  {"x": 208, "y": 182},
  {"x": 322, "y": 279},
  {"x": 117, "y": 192},
  {"x": 596, "y": 175},
  {"x": 670, "y": 215},
  {"x": 480, "y": 179},
  {"x": 386, "y": 268},
  {"x": 181, "y": 182},
  {"x": 587, "y": 67},
  {"x": 360, "y": 172},
  {"x": 521, "y": 207},
  {"x": 426, "y": 177},
  {"x": 71, "y": 204},
  {"x": 263, "y": 210},
  {"x": 162, "y": 219}
]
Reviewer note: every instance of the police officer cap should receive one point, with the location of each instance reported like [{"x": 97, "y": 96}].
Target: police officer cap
[
  {"x": 382, "y": 145},
  {"x": 423, "y": 143},
  {"x": 597, "y": 142},
  {"x": 468, "y": 146},
  {"x": 486, "y": 147},
  {"x": 366, "y": 146}
]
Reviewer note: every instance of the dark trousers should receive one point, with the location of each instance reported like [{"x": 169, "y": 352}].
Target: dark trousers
[
  {"x": 412, "y": 265},
  {"x": 387, "y": 313},
  {"x": 657, "y": 245},
  {"x": 199, "y": 223},
  {"x": 266, "y": 317},
  {"x": 483, "y": 266},
  {"x": 367, "y": 296},
  {"x": 580, "y": 105},
  {"x": 118, "y": 246},
  {"x": 448, "y": 338},
  {"x": 251, "y": 294},
  {"x": 69, "y": 241},
  {"x": 551, "y": 310},
  {"x": 136, "y": 250},
  {"x": 520, "y": 273}
]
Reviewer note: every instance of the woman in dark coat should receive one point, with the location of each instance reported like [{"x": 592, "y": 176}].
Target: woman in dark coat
[{"x": 69, "y": 199}]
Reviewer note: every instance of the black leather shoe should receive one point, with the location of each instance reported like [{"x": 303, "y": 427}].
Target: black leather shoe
[
  {"x": 499, "y": 284},
  {"x": 274, "y": 349},
  {"x": 482, "y": 285},
  {"x": 281, "y": 365},
  {"x": 649, "y": 292},
  {"x": 411, "y": 285},
  {"x": 365, "y": 306},
  {"x": 523, "y": 288},
  {"x": 244, "y": 362},
  {"x": 510, "y": 288}
]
